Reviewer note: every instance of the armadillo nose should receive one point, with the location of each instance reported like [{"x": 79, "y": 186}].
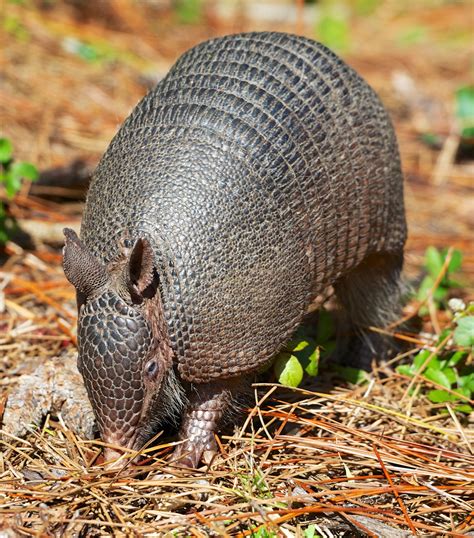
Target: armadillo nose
[{"x": 118, "y": 454}]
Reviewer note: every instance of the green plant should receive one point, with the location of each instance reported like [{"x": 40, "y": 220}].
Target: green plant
[
  {"x": 11, "y": 176},
  {"x": 262, "y": 532},
  {"x": 310, "y": 532},
  {"x": 189, "y": 11},
  {"x": 332, "y": 27},
  {"x": 435, "y": 287},
  {"x": 302, "y": 354},
  {"x": 14, "y": 27},
  {"x": 449, "y": 364},
  {"x": 465, "y": 111}
]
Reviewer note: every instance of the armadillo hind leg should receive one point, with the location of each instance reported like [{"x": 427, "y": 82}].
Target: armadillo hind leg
[
  {"x": 370, "y": 296},
  {"x": 206, "y": 408}
]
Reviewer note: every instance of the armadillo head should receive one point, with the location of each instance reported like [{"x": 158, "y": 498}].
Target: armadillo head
[{"x": 121, "y": 358}]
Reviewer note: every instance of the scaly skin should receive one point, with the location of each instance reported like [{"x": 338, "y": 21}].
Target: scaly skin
[{"x": 202, "y": 417}]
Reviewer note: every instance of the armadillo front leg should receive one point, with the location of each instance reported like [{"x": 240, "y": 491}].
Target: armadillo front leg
[{"x": 202, "y": 417}]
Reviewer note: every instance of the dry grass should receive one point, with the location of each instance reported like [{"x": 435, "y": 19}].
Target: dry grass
[{"x": 375, "y": 459}]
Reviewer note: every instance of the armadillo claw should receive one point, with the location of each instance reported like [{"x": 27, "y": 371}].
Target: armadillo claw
[
  {"x": 190, "y": 454},
  {"x": 186, "y": 457}
]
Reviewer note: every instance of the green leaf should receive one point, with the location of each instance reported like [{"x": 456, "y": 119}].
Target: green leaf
[
  {"x": 467, "y": 132},
  {"x": 440, "y": 293},
  {"x": 189, "y": 11},
  {"x": 454, "y": 283},
  {"x": 455, "y": 262},
  {"x": 442, "y": 336},
  {"x": 464, "y": 332},
  {"x": 24, "y": 171},
  {"x": 355, "y": 376},
  {"x": 465, "y": 108},
  {"x": 464, "y": 408},
  {"x": 328, "y": 348},
  {"x": 12, "y": 184},
  {"x": 437, "y": 376},
  {"x": 405, "y": 369},
  {"x": 450, "y": 374},
  {"x": 464, "y": 391},
  {"x": 6, "y": 150},
  {"x": 426, "y": 285},
  {"x": 433, "y": 261},
  {"x": 465, "y": 102},
  {"x": 299, "y": 345},
  {"x": 456, "y": 357},
  {"x": 441, "y": 396},
  {"x": 467, "y": 382},
  {"x": 3, "y": 235},
  {"x": 422, "y": 356},
  {"x": 325, "y": 327},
  {"x": 288, "y": 370},
  {"x": 311, "y": 363},
  {"x": 333, "y": 31},
  {"x": 310, "y": 532},
  {"x": 432, "y": 140}
]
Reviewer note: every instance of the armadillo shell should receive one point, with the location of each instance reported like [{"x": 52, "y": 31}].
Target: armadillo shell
[{"x": 262, "y": 168}]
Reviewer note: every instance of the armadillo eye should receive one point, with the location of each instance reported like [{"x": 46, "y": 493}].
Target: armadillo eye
[{"x": 151, "y": 369}]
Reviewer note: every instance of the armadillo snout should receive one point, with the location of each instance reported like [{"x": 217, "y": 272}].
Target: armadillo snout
[{"x": 114, "y": 342}]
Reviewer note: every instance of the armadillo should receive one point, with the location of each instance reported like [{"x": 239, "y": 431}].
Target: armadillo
[{"x": 259, "y": 172}]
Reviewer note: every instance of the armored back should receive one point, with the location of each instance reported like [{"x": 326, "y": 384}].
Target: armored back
[{"x": 261, "y": 169}]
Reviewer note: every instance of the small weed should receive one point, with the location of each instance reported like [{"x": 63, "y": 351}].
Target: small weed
[
  {"x": 449, "y": 363},
  {"x": 310, "y": 532},
  {"x": 465, "y": 111},
  {"x": 255, "y": 485},
  {"x": 263, "y": 532},
  {"x": 11, "y": 176},
  {"x": 302, "y": 354},
  {"x": 464, "y": 115},
  {"x": 434, "y": 263},
  {"x": 450, "y": 366}
]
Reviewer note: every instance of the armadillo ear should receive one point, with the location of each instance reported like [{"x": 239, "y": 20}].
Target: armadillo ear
[
  {"x": 81, "y": 268},
  {"x": 140, "y": 266}
]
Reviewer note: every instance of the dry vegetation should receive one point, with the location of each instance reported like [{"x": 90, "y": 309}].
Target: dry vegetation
[{"x": 375, "y": 459}]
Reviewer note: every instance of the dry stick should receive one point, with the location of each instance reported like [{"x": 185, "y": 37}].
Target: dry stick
[
  {"x": 459, "y": 427},
  {"x": 34, "y": 288},
  {"x": 409, "y": 409},
  {"x": 359, "y": 525},
  {"x": 366, "y": 405},
  {"x": 254, "y": 411},
  {"x": 452, "y": 498},
  {"x": 381, "y": 515},
  {"x": 446, "y": 157},
  {"x": 467, "y": 522},
  {"x": 395, "y": 492}
]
